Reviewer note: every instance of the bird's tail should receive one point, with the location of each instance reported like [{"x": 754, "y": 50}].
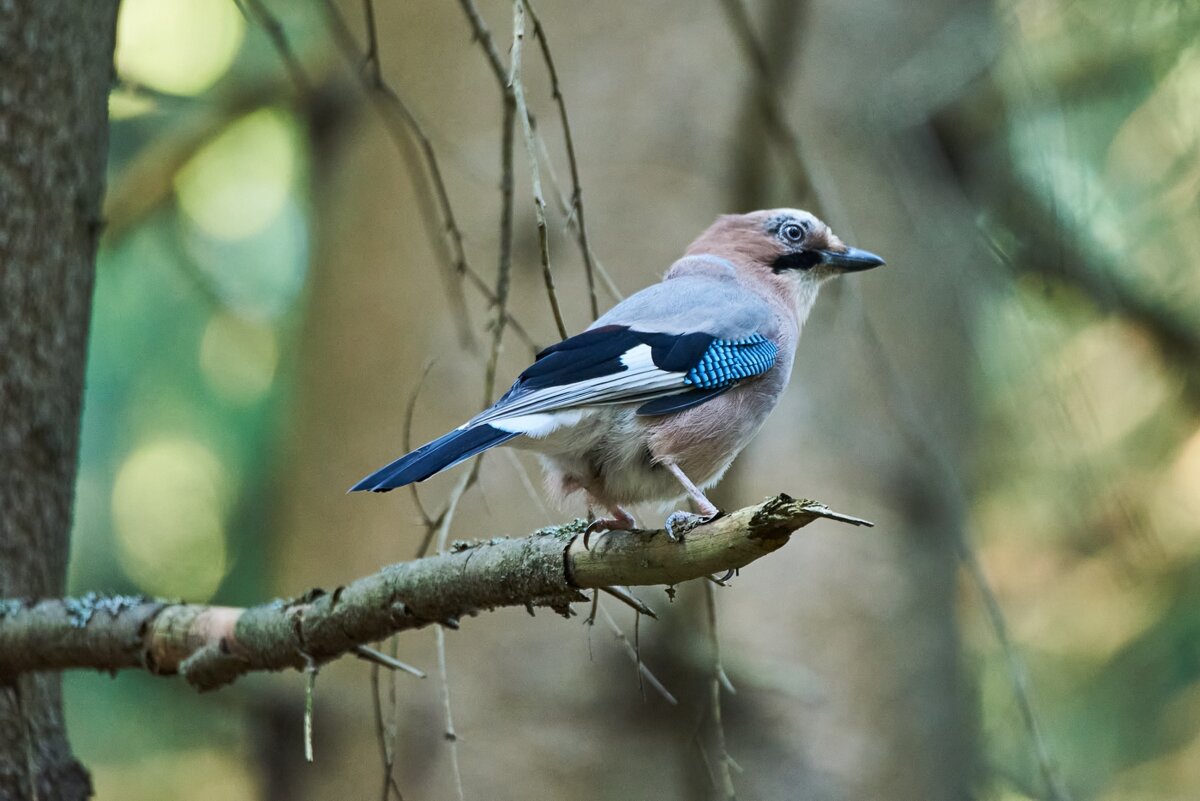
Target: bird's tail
[{"x": 434, "y": 457}]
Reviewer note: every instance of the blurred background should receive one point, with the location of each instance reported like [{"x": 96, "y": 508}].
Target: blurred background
[{"x": 1016, "y": 395}]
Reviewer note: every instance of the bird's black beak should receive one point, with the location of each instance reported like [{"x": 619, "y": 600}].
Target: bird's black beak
[{"x": 850, "y": 260}]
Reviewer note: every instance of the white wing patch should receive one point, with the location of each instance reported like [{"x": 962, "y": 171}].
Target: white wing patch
[
  {"x": 639, "y": 358},
  {"x": 640, "y": 380},
  {"x": 539, "y": 425}
]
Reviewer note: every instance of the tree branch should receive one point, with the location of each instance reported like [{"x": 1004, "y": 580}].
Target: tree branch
[{"x": 212, "y": 646}]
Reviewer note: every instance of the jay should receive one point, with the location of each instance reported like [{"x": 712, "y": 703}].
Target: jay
[{"x": 655, "y": 399}]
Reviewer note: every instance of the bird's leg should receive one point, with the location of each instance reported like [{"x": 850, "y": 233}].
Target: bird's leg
[
  {"x": 679, "y": 523},
  {"x": 620, "y": 521}
]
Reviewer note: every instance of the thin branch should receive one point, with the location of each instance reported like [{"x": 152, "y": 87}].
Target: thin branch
[
  {"x": 1017, "y": 671},
  {"x": 450, "y": 734},
  {"x": 644, "y": 673},
  {"x": 1095, "y": 273},
  {"x": 380, "y": 659},
  {"x": 373, "y": 61},
  {"x": 147, "y": 182},
  {"x": 899, "y": 397},
  {"x": 212, "y": 646},
  {"x": 483, "y": 35},
  {"x": 774, "y": 118},
  {"x": 409, "y": 411},
  {"x": 710, "y": 604},
  {"x": 922, "y": 442},
  {"x": 504, "y": 269},
  {"x": 257, "y": 12},
  {"x": 723, "y": 776},
  {"x": 310, "y": 685},
  {"x": 401, "y": 122},
  {"x": 385, "y": 735},
  {"x": 626, "y": 597},
  {"x": 576, "y": 209},
  {"x": 564, "y": 208},
  {"x": 527, "y": 483},
  {"x": 535, "y": 176},
  {"x": 637, "y": 652}
]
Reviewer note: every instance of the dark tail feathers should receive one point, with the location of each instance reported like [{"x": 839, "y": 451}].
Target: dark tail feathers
[{"x": 434, "y": 457}]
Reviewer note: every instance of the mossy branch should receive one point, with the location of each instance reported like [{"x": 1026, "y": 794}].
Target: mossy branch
[{"x": 211, "y": 646}]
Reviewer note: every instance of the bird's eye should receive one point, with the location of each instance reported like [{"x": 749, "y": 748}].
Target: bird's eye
[{"x": 792, "y": 232}]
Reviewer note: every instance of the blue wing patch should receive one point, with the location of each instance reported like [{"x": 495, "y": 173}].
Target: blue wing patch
[
  {"x": 720, "y": 366},
  {"x": 730, "y": 360}
]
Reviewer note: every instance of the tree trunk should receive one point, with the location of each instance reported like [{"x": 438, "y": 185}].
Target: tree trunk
[{"x": 55, "y": 70}]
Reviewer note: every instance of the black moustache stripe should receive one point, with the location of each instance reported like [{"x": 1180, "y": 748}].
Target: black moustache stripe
[{"x": 803, "y": 260}]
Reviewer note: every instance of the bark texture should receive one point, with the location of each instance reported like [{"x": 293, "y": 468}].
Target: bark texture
[
  {"x": 214, "y": 645},
  {"x": 55, "y": 70}
]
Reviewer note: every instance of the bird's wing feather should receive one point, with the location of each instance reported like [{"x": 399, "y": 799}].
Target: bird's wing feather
[{"x": 620, "y": 364}]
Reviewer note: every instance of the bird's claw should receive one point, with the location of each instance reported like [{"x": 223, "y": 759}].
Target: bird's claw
[
  {"x": 721, "y": 581},
  {"x": 680, "y": 523},
  {"x": 605, "y": 524}
]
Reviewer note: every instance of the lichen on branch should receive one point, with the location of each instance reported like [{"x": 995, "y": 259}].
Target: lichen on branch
[{"x": 211, "y": 646}]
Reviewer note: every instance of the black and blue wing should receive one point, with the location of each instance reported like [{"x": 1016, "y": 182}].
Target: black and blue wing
[{"x": 610, "y": 364}]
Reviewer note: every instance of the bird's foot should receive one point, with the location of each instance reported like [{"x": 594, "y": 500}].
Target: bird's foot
[
  {"x": 623, "y": 522},
  {"x": 720, "y": 582},
  {"x": 680, "y": 523}
]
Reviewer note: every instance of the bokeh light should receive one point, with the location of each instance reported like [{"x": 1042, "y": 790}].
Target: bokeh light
[
  {"x": 238, "y": 183},
  {"x": 238, "y": 357},
  {"x": 225, "y": 777},
  {"x": 124, "y": 104},
  {"x": 169, "y": 505},
  {"x": 259, "y": 276},
  {"x": 178, "y": 46}
]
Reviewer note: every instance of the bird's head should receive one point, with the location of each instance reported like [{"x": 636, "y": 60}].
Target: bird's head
[{"x": 784, "y": 247}]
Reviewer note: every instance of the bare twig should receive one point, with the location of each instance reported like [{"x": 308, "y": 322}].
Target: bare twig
[
  {"x": 899, "y": 397},
  {"x": 257, "y": 12},
  {"x": 900, "y": 401},
  {"x": 774, "y": 118},
  {"x": 504, "y": 269},
  {"x": 564, "y": 208},
  {"x": 751, "y": 172},
  {"x": 381, "y": 659},
  {"x": 710, "y": 604},
  {"x": 637, "y": 651},
  {"x": 409, "y": 411},
  {"x": 1045, "y": 249},
  {"x": 310, "y": 684},
  {"x": 1017, "y": 671},
  {"x": 644, "y": 672},
  {"x": 575, "y": 214},
  {"x": 483, "y": 35},
  {"x": 626, "y": 597},
  {"x": 373, "y": 60},
  {"x": 450, "y": 734},
  {"x": 147, "y": 182},
  {"x": 401, "y": 122},
  {"x": 213, "y": 645},
  {"x": 385, "y": 735},
  {"x": 723, "y": 776},
  {"x": 535, "y": 176},
  {"x": 527, "y": 483}
]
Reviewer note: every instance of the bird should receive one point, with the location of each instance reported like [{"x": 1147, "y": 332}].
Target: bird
[{"x": 655, "y": 399}]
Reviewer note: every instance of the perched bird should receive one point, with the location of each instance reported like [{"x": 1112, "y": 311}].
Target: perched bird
[{"x": 655, "y": 399}]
